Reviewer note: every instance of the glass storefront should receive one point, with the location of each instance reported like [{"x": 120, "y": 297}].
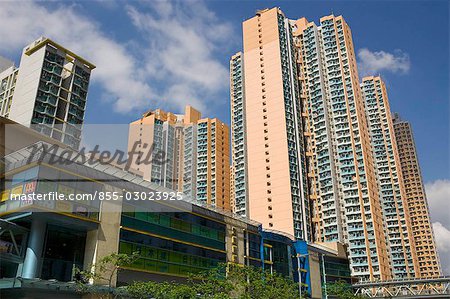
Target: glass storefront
[
  {"x": 168, "y": 256},
  {"x": 63, "y": 252}
]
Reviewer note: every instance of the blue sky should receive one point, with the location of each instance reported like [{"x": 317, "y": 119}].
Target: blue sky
[
  {"x": 167, "y": 54},
  {"x": 414, "y": 32}
]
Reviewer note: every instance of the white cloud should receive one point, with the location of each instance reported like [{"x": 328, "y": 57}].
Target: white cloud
[
  {"x": 22, "y": 22},
  {"x": 442, "y": 235},
  {"x": 131, "y": 73},
  {"x": 5, "y": 63},
  {"x": 372, "y": 63},
  {"x": 438, "y": 195},
  {"x": 182, "y": 39}
]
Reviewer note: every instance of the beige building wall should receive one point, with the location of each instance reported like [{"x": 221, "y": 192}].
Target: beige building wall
[
  {"x": 104, "y": 240},
  {"x": 422, "y": 230},
  {"x": 215, "y": 178},
  {"x": 145, "y": 137},
  {"x": 351, "y": 206},
  {"x": 269, "y": 187},
  {"x": 141, "y": 135},
  {"x": 139, "y": 131},
  {"x": 390, "y": 178}
]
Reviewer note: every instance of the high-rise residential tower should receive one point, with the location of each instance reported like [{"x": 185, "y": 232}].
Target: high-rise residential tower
[
  {"x": 50, "y": 91},
  {"x": 154, "y": 134},
  {"x": 349, "y": 200},
  {"x": 238, "y": 136},
  {"x": 390, "y": 179},
  {"x": 422, "y": 230},
  {"x": 232, "y": 192},
  {"x": 195, "y": 154},
  {"x": 8, "y": 78},
  {"x": 268, "y": 151},
  {"x": 310, "y": 170},
  {"x": 213, "y": 163}
]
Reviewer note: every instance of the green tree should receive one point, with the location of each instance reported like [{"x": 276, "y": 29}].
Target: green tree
[
  {"x": 104, "y": 270},
  {"x": 341, "y": 290},
  {"x": 160, "y": 290},
  {"x": 225, "y": 281}
]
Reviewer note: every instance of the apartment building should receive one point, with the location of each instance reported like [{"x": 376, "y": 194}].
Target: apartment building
[
  {"x": 183, "y": 152},
  {"x": 268, "y": 151},
  {"x": 238, "y": 136},
  {"x": 416, "y": 199},
  {"x": 8, "y": 78},
  {"x": 390, "y": 182},
  {"x": 48, "y": 91},
  {"x": 310, "y": 170},
  {"x": 350, "y": 204}
]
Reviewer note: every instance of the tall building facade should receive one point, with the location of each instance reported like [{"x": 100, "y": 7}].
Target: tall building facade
[
  {"x": 310, "y": 170},
  {"x": 390, "y": 180},
  {"x": 269, "y": 158},
  {"x": 213, "y": 163},
  {"x": 350, "y": 205},
  {"x": 186, "y": 153},
  {"x": 8, "y": 78},
  {"x": 238, "y": 136},
  {"x": 232, "y": 192},
  {"x": 422, "y": 230},
  {"x": 50, "y": 91}
]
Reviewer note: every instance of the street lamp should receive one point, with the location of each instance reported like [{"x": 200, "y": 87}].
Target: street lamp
[{"x": 299, "y": 274}]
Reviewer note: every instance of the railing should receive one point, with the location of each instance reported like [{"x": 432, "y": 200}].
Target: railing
[{"x": 438, "y": 287}]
